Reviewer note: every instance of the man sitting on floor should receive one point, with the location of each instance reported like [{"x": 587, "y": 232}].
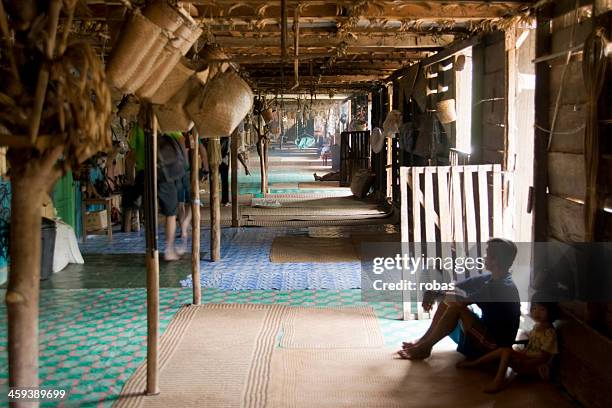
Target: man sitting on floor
[{"x": 494, "y": 292}]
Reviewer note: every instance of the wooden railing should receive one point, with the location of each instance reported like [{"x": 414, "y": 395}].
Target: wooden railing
[
  {"x": 445, "y": 209},
  {"x": 354, "y": 154}
]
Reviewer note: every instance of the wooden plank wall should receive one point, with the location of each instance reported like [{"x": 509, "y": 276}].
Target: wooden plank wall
[
  {"x": 586, "y": 334},
  {"x": 489, "y": 114}
]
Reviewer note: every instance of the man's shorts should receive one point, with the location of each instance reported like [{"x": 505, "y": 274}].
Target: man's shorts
[
  {"x": 184, "y": 189},
  {"x": 135, "y": 192},
  {"x": 475, "y": 342},
  {"x": 167, "y": 192}
]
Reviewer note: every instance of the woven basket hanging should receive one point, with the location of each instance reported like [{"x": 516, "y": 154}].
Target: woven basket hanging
[
  {"x": 165, "y": 63},
  {"x": 172, "y": 84},
  {"x": 172, "y": 116},
  {"x": 164, "y": 15},
  {"x": 267, "y": 115},
  {"x": 134, "y": 45},
  {"x": 146, "y": 65},
  {"x": 446, "y": 111},
  {"x": 186, "y": 35},
  {"x": 220, "y": 105}
]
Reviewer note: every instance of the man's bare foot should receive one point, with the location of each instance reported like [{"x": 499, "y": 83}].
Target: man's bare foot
[
  {"x": 465, "y": 364},
  {"x": 416, "y": 353},
  {"x": 409, "y": 345},
  {"x": 170, "y": 256},
  {"x": 494, "y": 387}
]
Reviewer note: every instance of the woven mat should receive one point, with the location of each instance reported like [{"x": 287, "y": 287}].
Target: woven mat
[
  {"x": 312, "y": 196},
  {"x": 319, "y": 185},
  {"x": 340, "y": 212},
  {"x": 341, "y": 327},
  {"x": 211, "y": 356},
  {"x": 370, "y": 378},
  {"x": 296, "y": 249},
  {"x": 318, "y": 222}
]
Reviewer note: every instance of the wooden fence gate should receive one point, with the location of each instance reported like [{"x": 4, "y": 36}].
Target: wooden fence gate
[
  {"x": 448, "y": 211},
  {"x": 354, "y": 154}
]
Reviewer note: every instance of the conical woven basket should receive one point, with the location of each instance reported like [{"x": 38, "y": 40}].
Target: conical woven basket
[
  {"x": 164, "y": 15},
  {"x": 218, "y": 109},
  {"x": 173, "y": 83},
  {"x": 267, "y": 115},
  {"x": 173, "y": 115},
  {"x": 135, "y": 41},
  {"x": 165, "y": 63},
  {"x": 146, "y": 65},
  {"x": 186, "y": 35}
]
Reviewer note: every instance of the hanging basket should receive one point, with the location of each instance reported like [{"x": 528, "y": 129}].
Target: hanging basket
[
  {"x": 446, "y": 111},
  {"x": 165, "y": 63},
  {"x": 218, "y": 107},
  {"x": 146, "y": 65},
  {"x": 135, "y": 43},
  {"x": 267, "y": 115},
  {"x": 164, "y": 15},
  {"x": 172, "y": 84},
  {"x": 172, "y": 116},
  {"x": 186, "y": 35},
  {"x": 129, "y": 109}
]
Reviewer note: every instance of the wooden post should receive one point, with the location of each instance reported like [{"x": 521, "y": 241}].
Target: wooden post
[
  {"x": 234, "y": 163},
  {"x": 30, "y": 179},
  {"x": 195, "y": 218},
  {"x": 214, "y": 157},
  {"x": 152, "y": 255},
  {"x": 262, "y": 171},
  {"x": 265, "y": 144},
  {"x": 540, "y": 199}
]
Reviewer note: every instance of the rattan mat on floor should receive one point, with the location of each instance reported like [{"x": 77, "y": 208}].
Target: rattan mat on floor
[
  {"x": 297, "y": 249},
  {"x": 219, "y": 355}
]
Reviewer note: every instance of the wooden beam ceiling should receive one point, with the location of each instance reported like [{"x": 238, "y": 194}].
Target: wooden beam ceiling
[{"x": 348, "y": 44}]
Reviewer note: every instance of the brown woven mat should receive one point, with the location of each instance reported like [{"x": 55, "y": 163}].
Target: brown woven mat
[
  {"x": 375, "y": 378},
  {"x": 331, "y": 327},
  {"x": 316, "y": 185},
  {"x": 292, "y": 249},
  {"x": 211, "y": 356}
]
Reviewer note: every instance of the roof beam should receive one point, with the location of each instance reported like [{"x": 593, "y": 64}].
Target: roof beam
[{"x": 409, "y": 41}]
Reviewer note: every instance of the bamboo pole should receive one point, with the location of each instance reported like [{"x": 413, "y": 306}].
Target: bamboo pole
[
  {"x": 214, "y": 158},
  {"x": 195, "y": 218},
  {"x": 265, "y": 162},
  {"x": 152, "y": 256},
  {"x": 234, "y": 163}
]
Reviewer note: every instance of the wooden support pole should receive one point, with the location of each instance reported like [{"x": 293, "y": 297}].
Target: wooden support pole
[
  {"x": 195, "y": 218},
  {"x": 234, "y": 163},
  {"x": 542, "y": 118},
  {"x": 23, "y": 288},
  {"x": 152, "y": 255},
  {"x": 30, "y": 179},
  {"x": 214, "y": 158},
  {"x": 265, "y": 165}
]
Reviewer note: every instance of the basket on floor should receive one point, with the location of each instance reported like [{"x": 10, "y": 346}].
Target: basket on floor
[
  {"x": 136, "y": 40},
  {"x": 219, "y": 106}
]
